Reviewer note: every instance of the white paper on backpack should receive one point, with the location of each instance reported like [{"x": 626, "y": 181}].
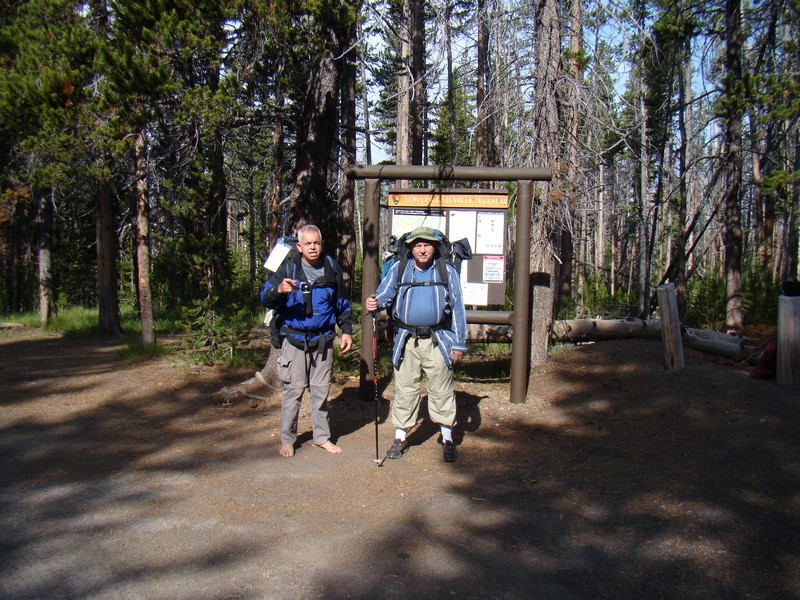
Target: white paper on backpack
[{"x": 276, "y": 257}]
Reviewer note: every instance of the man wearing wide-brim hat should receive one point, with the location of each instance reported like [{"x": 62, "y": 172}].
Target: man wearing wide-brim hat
[{"x": 430, "y": 321}]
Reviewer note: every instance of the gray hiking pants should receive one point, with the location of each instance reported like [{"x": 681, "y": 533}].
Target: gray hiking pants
[{"x": 299, "y": 370}]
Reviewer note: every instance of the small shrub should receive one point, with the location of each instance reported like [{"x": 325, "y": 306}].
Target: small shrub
[{"x": 705, "y": 302}]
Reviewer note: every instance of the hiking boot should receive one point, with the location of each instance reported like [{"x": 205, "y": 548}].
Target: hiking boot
[
  {"x": 449, "y": 451},
  {"x": 397, "y": 449}
]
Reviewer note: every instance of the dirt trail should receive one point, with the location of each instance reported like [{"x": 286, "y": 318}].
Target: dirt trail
[{"x": 616, "y": 480}]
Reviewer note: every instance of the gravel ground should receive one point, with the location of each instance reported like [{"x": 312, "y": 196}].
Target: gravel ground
[{"x": 615, "y": 480}]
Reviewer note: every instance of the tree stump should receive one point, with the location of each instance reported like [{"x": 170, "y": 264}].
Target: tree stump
[
  {"x": 671, "y": 328},
  {"x": 788, "y": 367}
]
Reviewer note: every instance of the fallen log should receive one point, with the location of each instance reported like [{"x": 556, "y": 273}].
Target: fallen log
[
  {"x": 713, "y": 342},
  {"x": 721, "y": 344},
  {"x": 578, "y": 330}
]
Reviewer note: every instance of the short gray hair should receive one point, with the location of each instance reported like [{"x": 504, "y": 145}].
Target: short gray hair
[{"x": 309, "y": 229}]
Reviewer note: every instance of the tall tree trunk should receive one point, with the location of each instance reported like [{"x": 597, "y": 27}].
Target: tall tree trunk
[
  {"x": 734, "y": 314},
  {"x": 47, "y": 304},
  {"x": 685, "y": 127},
  {"x": 217, "y": 217},
  {"x": 451, "y": 103},
  {"x": 763, "y": 150},
  {"x": 566, "y": 267},
  {"x": 107, "y": 274},
  {"x": 142, "y": 241},
  {"x": 309, "y": 199},
  {"x": 364, "y": 96},
  {"x": 545, "y": 144},
  {"x": 252, "y": 225},
  {"x": 347, "y": 237},
  {"x": 403, "y": 91},
  {"x": 417, "y": 107},
  {"x": 480, "y": 94},
  {"x": 791, "y": 269},
  {"x": 600, "y": 221},
  {"x": 106, "y": 230},
  {"x": 277, "y": 161},
  {"x": 642, "y": 202},
  {"x": 768, "y": 200}
]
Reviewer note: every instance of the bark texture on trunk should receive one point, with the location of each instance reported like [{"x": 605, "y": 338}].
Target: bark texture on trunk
[
  {"x": 546, "y": 144},
  {"x": 734, "y": 314},
  {"x": 142, "y": 241},
  {"x": 47, "y": 304},
  {"x": 107, "y": 274}
]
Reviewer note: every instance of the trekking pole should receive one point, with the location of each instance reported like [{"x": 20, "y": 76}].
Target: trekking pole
[{"x": 378, "y": 459}]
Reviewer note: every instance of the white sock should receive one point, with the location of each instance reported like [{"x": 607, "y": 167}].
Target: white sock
[
  {"x": 400, "y": 434},
  {"x": 447, "y": 434}
]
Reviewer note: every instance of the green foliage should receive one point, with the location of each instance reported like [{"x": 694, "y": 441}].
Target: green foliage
[
  {"x": 760, "y": 294},
  {"x": 568, "y": 310},
  {"x": 595, "y": 294},
  {"x": 28, "y": 319},
  {"x": 705, "y": 302},
  {"x": 464, "y": 124},
  {"x": 136, "y": 350},
  {"x": 492, "y": 363},
  {"x": 215, "y": 333},
  {"x": 706, "y": 298}
]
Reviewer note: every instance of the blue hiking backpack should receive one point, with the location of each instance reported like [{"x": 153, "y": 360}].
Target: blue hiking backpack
[{"x": 448, "y": 252}]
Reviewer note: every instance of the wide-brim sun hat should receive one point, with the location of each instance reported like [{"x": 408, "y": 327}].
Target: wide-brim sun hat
[{"x": 422, "y": 233}]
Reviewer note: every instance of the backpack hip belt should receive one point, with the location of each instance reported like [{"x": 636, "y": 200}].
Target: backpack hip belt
[
  {"x": 323, "y": 336},
  {"x": 420, "y": 332}
]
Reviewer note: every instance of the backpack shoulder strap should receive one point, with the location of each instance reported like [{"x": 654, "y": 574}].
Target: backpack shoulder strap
[
  {"x": 333, "y": 273},
  {"x": 441, "y": 265},
  {"x": 402, "y": 261}
]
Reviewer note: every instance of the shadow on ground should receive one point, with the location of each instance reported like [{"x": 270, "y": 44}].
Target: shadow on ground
[{"x": 616, "y": 480}]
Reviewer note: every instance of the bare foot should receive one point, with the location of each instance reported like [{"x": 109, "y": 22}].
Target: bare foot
[
  {"x": 330, "y": 447},
  {"x": 287, "y": 450}
]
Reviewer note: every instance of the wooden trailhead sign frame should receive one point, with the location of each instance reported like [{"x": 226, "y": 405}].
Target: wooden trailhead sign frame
[{"x": 519, "y": 318}]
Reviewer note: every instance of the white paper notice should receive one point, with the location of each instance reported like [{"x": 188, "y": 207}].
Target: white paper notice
[
  {"x": 462, "y": 225},
  {"x": 493, "y": 268},
  {"x": 475, "y": 294},
  {"x": 276, "y": 257},
  {"x": 490, "y": 233},
  {"x": 405, "y": 220}
]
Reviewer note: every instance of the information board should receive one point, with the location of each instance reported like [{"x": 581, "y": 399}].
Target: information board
[{"x": 477, "y": 215}]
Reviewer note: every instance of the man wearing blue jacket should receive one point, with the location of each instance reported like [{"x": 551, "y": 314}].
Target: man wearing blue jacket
[
  {"x": 309, "y": 298},
  {"x": 431, "y": 326}
]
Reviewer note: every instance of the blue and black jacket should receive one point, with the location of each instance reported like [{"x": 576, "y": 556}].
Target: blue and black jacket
[
  {"x": 451, "y": 332},
  {"x": 329, "y": 302}
]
